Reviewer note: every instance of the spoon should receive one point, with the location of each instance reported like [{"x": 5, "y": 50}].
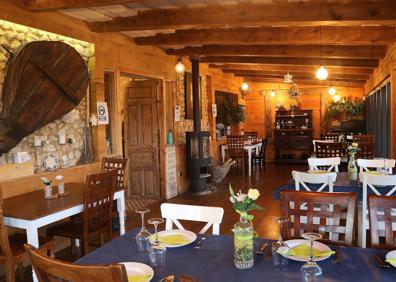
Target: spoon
[{"x": 168, "y": 278}]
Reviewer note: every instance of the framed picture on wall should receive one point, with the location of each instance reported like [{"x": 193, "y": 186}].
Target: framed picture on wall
[{"x": 188, "y": 95}]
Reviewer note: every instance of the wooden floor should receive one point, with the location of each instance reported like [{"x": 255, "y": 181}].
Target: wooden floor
[{"x": 265, "y": 181}]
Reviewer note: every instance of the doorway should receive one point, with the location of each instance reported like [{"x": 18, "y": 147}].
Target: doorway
[{"x": 141, "y": 134}]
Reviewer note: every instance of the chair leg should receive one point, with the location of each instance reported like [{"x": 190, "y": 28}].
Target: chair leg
[{"x": 10, "y": 272}]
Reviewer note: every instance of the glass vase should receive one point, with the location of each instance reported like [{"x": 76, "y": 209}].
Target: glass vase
[
  {"x": 243, "y": 244},
  {"x": 352, "y": 167}
]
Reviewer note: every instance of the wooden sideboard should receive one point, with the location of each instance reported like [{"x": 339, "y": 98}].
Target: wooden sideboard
[{"x": 293, "y": 135}]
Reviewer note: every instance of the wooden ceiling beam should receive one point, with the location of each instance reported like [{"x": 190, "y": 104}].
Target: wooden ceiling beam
[
  {"x": 355, "y": 12},
  {"x": 53, "y": 5},
  {"x": 331, "y": 35},
  {"x": 285, "y": 68},
  {"x": 296, "y": 78},
  {"x": 305, "y": 81},
  {"x": 366, "y": 63},
  {"x": 329, "y": 51},
  {"x": 298, "y": 74}
]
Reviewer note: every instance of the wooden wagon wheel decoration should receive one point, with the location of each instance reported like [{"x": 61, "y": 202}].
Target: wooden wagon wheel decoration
[{"x": 44, "y": 81}]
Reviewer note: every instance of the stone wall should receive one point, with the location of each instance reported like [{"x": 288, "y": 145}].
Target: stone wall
[{"x": 13, "y": 36}]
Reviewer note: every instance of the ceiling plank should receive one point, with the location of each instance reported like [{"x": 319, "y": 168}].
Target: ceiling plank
[
  {"x": 305, "y": 81},
  {"x": 286, "y": 68},
  {"x": 356, "y": 12},
  {"x": 53, "y": 5},
  {"x": 296, "y": 78},
  {"x": 331, "y": 35},
  {"x": 329, "y": 51},
  {"x": 366, "y": 63},
  {"x": 297, "y": 74}
]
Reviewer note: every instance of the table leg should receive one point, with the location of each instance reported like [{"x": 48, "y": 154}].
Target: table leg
[
  {"x": 250, "y": 161},
  {"x": 121, "y": 212},
  {"x": 32, "y": 239},
  {"x": 223, "y": 153}
]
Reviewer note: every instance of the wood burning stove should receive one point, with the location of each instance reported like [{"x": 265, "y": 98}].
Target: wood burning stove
[{"x": 198, "y": 158}]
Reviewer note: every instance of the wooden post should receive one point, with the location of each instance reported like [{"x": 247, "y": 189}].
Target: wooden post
[{"x": 195, "y": 91}]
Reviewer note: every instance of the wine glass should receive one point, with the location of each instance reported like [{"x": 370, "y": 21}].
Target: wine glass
[
  {"x": 157, "y": 251},
  {"x": 279, "y": 247},
  {"x": 143, "y": 237},
  {"x": 311, "y": 271}
]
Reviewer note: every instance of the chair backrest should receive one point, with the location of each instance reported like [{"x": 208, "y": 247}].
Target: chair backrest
[
  {"x": 301, "y": 179},
  {"x": 250, "y": 135},
  {"x": 52, "y": 270},
  {"x": 363, "y": 139},
  {"x": 235, "y": 145},
  {"x": 328, "y": 149},
  {"x": 98, "y": 201},
  {"x": 4, "y": 243},
  {"x": 175, "y": 212},
  {"x": 330, "y": 136},
  {"x": 119, "y": 164},
  {"x": 263, "y": 148},
  {"x": 382, "y": 221},
  {"x": 328, "y": 163},
  {"x": 366, "y": 151},
  {"x": 323, "y": 141},
  {"x": 365, "y": 165},
  {"x": 330, "y": 214}
]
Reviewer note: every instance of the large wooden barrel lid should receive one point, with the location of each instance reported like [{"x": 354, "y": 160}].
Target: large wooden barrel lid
[{"x": 44, "y": 81}]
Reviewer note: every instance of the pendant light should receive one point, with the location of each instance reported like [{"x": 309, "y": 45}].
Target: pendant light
[
  {"x": 336, "y": 98},
  {"x": 322, "y": 72},
  {"x": 273, "y": 94},
  {"x": 332, "y": 91},
  {"x": 244, "y": 86},
  {"x": 180, "y": 68}
]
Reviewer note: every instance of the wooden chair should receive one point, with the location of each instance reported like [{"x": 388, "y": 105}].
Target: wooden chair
[
  {"x": 175, "y": 212},
  {"x": 328, "y": 164},
  {"x": 251, "y": 136},
  {"x": 330, "y": 214},
  {"x": 12, "y": 251},
  {"x": 119, "y": 164},
  {"x": 302, "y": 180},
  {"x": 328, "y": 150},
  {"x": 335, "y": 137},
  {"x": 97, "y": 215},
  {"x": 365, "y": 165},
  {"x": 363, "y": 139},
  {"x": 366, "y": 151},
  {"x": 236, "y": 151},
  {"x": 382, "y": 221},
  {"x": 260, "y": 158},
  {"x": 52, "y": 270},
  {"x": 380, "y": 185}
]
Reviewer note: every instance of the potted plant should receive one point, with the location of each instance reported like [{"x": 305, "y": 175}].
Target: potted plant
[
  {"x": 230, "y": 114},
  {"x": 344, "y": 111}
]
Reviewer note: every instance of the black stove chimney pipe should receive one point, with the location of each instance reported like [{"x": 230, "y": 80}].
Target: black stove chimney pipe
[{"x": 195, "y": 92}]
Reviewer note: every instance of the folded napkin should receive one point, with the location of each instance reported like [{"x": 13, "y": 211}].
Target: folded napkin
[
  {"x": 303, "y": 250},
  {"x": 176, "y": 239},
  {"x": 318, "y": 171},
  {"x": 138, "y": 278},
  {"x": 391, "y": 260}
]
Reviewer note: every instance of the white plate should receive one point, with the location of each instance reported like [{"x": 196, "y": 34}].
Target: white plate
[
  {"x": 51, "y": 162},
  {"x": 188, "y": 235},
  {"x": 391, "y": 255},
  {"x": 318, "y": 245},
  {"x": 138, "y": 269}
]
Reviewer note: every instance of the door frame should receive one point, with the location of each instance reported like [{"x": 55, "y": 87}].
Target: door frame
[{"x": 161, "y": 121}]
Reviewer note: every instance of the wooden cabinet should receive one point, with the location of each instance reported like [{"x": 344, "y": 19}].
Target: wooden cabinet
[{"x": 293, "y": 135}]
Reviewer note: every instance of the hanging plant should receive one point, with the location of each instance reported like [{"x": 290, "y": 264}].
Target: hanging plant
[
  {"x": 344, "y": 109},
  {"x": 229, "y": 114}
]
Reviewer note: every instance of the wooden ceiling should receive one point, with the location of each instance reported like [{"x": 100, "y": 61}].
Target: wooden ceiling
[{"x": 259, "y": 40}]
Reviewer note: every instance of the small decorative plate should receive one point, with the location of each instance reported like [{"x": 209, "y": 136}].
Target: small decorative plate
[{"x": 51, "y": 162}]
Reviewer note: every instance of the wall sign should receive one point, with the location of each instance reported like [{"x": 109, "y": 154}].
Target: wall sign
[{"x": 103, "y": 113}]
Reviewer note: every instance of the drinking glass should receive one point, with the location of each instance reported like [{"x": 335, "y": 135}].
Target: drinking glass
[
  {"x": 280, "y": 247},
  {"x": 310, "y": 271},
  {"x": 157, "y": 251},
  {"x": 143, "y": 237}
]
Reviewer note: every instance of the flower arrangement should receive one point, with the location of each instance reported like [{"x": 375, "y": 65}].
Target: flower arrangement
[
  {"x": 243, "y": 203},
  {"x": 353, "y": 148},
  {"x": 46, "y": 181},
  {"x": 59, "y": 177}
]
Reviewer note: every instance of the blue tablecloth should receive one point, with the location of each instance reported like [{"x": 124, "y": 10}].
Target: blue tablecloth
[
  {"x": 214, "y": 262},
  {"x": 342, "y": 184}
]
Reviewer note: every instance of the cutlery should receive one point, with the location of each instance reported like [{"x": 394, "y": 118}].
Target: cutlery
[
  {"x": 200, "y": 242},
  {"x": 338, "y": 257},
  {"x": 262, "y": 249},
  {"x": 168, "y": 278},
  {"x": 381, "y": 262}
]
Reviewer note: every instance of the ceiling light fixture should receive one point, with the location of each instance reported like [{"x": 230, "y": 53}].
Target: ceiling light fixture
[
  {"x": 332, "y": 91},
  {"x": 180, "y": 68},
  {"x": 336, "y": 98},
  {"x": 322, "y": 72},
  {"x": 244, "y": 86},
  {"x": 288, "y": 78},
  {"x": 273, "y": 94}
]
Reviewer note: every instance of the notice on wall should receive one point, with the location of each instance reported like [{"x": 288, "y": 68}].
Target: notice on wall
[
  {"x": 103, "y": 113},
  {"x": 177, "y": 113}
]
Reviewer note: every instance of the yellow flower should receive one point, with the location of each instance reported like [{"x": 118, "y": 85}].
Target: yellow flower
[
  {"x": 354, "y": 144},
  {"x": 253, "y": 194}
]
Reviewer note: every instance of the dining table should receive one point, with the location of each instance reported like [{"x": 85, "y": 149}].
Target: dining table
[
  {"x": 30, "y": 211},
  {"x": 213, "y": 261},
  {"x": 249, "y": 147}
]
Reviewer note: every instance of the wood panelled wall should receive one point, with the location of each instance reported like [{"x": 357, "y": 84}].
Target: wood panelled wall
[{"x": 309, "y": 97}]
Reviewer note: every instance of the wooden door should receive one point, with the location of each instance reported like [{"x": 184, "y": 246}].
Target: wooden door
[{"x": 142, "y": 138}]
